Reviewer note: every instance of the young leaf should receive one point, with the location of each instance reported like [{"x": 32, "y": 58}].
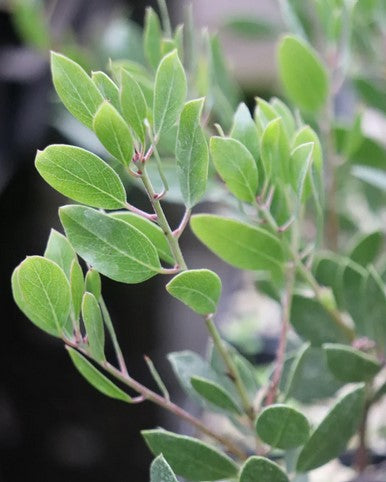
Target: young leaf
[
  {"x": 302, "y": 73},
  {"x": 160, "y": 471},
  {"x": 93, "y": 322},
  {"x": 261, "y": 469},
  {"x": 313, "y": 323},
  {"x": 93, "y": 283},
  {"x": 42, "y": 292},
  {"x": 282, "y": 426},
  {"x": 244, "y": 130},
  {"x": 75, "y": 88},
  {"x": 77, "y": 287},
  {"x": 81, "y": 176},
  {"x": 153, "y": 232},
  {"x": 192, "y": 154},
  {"x": 239, "y": 244},
  {"x": 111, "y": 246},
  {"x": 275, "y": 151},
  {"x": 152, "y": 37},
  {"x": 183, "y": 453},
  {"x": 95, "y": 378},
  {"x": 133, "y": 104},
  {"x": 169, "y": 93},
  {"x": 107, "y": 88},
  {"x": 200, "y": 289},
  {"x": 367, "y": 248},
  {"x": 285, "y": 114},
  {"x": 305, "y": 135},
  {"x": 60, "y": 251},
  {"x": 214, "y": 394},
  {"x": 350, "y": 365},
  {"x": 332, "y": 435},
  {"x": 300, "y": 168},
  {"x": 114, "y": 133},
  {"x": 236, "y": 167}
]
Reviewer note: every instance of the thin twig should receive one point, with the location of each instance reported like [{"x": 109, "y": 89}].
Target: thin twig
[
  {"x": 133, "y": 209},
  {"x": 184, "y": 221}
]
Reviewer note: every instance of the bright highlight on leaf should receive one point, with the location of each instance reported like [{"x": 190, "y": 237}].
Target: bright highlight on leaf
[
  {"x": 261, "y": 469},
  {"x": 200, "y": 289},
  {"x": 160, "y": 471}
]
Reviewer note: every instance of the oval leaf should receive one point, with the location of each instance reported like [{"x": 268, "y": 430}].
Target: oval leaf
[
  {"x": 160, "y": 471},
  {"x": 107, "y": 88},
  {"x": 81, "y": 176},
  {"x": 282, "y": 426},
  {"x": 236, "y": 166},
  {"x": 200, "y": 289},
  {"x": 42, "y": 292},
  {"x": 169, "y": 93},
  {"x": 183, "y": 453},
  {"x": 332, "y": 435},
  {"x": 350, "y": 365},
  {"x": 60, "y": 251},
  {"x": 302, "y": 73},
  {"x": 75, "y": 88},
  {"x": 239, "y": 244},
  {"x": 93, "y": 322},
  {"x": 215, "y": 394},
  {"x": 261, "y": 469},
  {"x": 95, "y": 378},
  {"x": 114, "y": 133},
  {"x": 133, "y": 104},
  {"x": 113, "y": 247},
  {"x": 192, "y": 154}
]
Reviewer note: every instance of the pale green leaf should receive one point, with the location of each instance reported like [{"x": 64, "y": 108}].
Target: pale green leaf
[
  {"x": 300, "y": 169},
  {"x": 93, "y": 323},
  {"x": 244, "y": 130},
  {"x": 81, "y": 176},
  {"x": 93, "y": 283},
  {"x": 152, "y": 37},
  {"x": 60, "y": 251},
  {"x": 160, "y": 471},
  {"x": 133, "y": 104},
  {"x": 214, "y": 394},
  {"x": 261, "y": 469},
  {"x": 286, "y": 115},
  {"x": 107, "y": 88},
  {"x": 275, "y": 152},
  {"x": 111, "y": 246}
]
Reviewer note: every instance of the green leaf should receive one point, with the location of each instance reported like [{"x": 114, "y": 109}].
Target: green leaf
[
  {"x": 160, "y": 471},
  {"x": 300, "y": 166},
  {"x": 261, "y": 469},
  {"x": 332, "y": 435},
  {"x": 239, "y": 244},
  {"x": 329, "y": 269},
  {"x": 367, "y": 248},
  {"x": 313, "y": 323},
  {"x": 153, "y": 232},
  {"x": 200, "y": 289},
  {"x": 350, "y": 365},
  {"x": 95, "y": 378},
  {"x": 307, "y": 134},
  {"x": 60, "y": 251},
  {"x": 354, "y": 277},
  {"x": 373, "y": 176},
  {"x": 302, "y": 73},
  {"x": 286, "y": 115},
  {"x": 282, "y": 426},
  {"x": 251, "y": 28},
  {"x": 77, "y": 287},
  {"x": 133, "y": 104},
  {"x": 244, "y": 130},
  {"x": 93, "y": 283},
  {"x": 107, "y": 88},
  {"x": 152, "y": 37},
  {"x": 214, "y": 394},
  {"x": 93, "y": 322},
  {"x": 375, "y": 309},
  {"x": 236, "y": 167},
  {"x": 275, "y": 152},
  {"x": 111, "y": 246},
  {"x": 81, "y": 176},
  {"x": 264, "y": 114},
  {"x": 192, "y": 154},
  {"x": 169, "y": 93},
  {"x": 114, "y": 133},
  {"x": 42, "y": 292},
  {"x": 75, "y": 88},
  {"x": 190, "y": 457},
  {"x": 372, "y": 92}
]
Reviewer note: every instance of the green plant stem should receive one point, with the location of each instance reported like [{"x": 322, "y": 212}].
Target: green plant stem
[
  {"x": 234, "y": 373},
  {"x": 162, "y": 221},
  {"x": 113, "y": 336}
]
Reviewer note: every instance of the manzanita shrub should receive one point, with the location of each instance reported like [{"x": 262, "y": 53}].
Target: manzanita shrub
[{"x": 266, "y": 173}]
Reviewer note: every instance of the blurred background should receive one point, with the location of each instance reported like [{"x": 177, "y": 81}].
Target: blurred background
[{"x": 53, "y": 425}]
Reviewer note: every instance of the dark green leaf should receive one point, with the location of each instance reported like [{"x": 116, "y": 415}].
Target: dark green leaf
[
  {"x": 372, "y": 92},
  {"x": 190, "y": 457},
  {"x": 133, "y": 104},
  {"x": 334, "y": 432},
  {"x": 261, "y": 469},
  {"x": 354, "y": 277},
  {"x": 169, "y": 93},
  {"x": 160, "y": 471},
  {"x": 107, "y": 88},
  {"x": 60, "y": 251},
  {"x": 152, "y": 37},
  {"x": 95, "y": 378},
  {"x": 375, "y": 309},
  {"x": 42, "y": 292},
  {"x": 367, "y": 248},
  {"x": 75, "y": 88},
  {"x": 302, "y": 73},
  {"x": 93, "y": 322},
  {"x": 329, "y": 269},
  {"x": 239, "y": 244},
  {"x": 111, "y": 246},
  {"x": 81, "y": 175},
  {"x": 200, "y": 289},
  {"x": 282, "y": 426},
  {"x": 114, "y": 133},
  {"x": 192, "y": 153},
  {"x": 77, "y": 287},
  {"x": 214, "y": 394}
]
